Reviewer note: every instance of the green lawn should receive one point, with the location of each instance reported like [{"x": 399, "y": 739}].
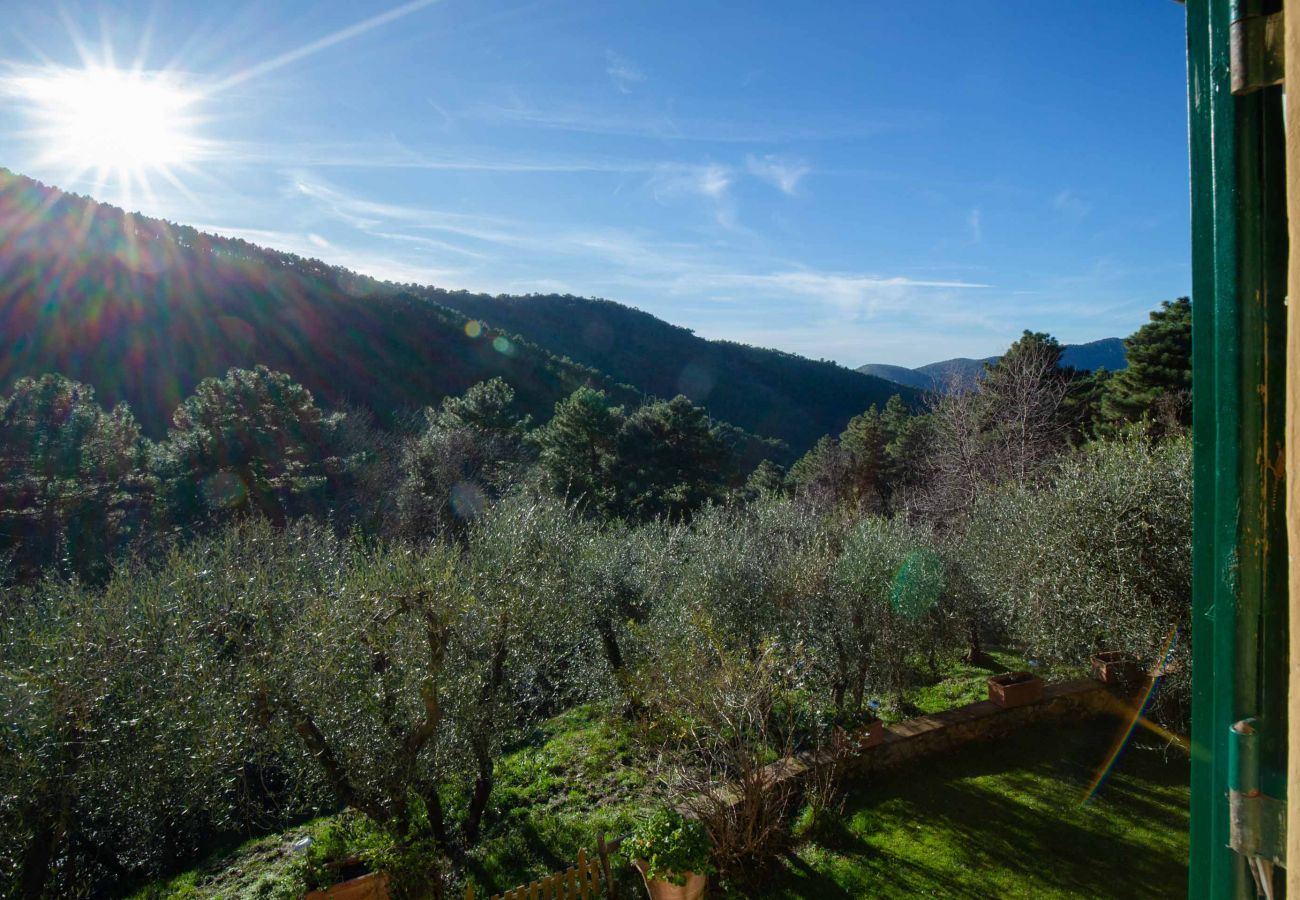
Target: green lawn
[
  {"x": 1004, "y": 819},
  {"x": 955, "y": 682}
]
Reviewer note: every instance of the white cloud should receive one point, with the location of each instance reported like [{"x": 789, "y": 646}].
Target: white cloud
[
  {"x": 622, "y": 72},
  {"x": 783, "y": 174},
  {"x": 312, "y": 246},
  {"x": 855, "y": 315},
  {"x": 851, "y": 295},
  {"x": 675, "y": 128},
  {"x": 710, "y": 180},
  {"x": 974, "y": 221},
  {"x": 713, "y": 180},
  {"x": 1070, "y": 203}
]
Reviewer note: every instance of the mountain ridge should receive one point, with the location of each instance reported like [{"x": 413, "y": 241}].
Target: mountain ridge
[
  {"x": 143, "y": 309},
  {"x": 938, "y": 376}
]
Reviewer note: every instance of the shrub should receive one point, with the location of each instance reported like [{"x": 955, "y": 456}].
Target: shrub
[{"x": 671, "y": 846}]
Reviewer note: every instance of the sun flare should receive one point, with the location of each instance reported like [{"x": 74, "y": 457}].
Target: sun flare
[{"x": 119, "y": 124}]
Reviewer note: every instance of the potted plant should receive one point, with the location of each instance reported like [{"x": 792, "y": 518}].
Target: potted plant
[
  {"x": 336, "y": 864},
  {"x": 672, "y": 854},
  {"x": 1015, "y": 689},
  {"x": 858, "y": 729},
  {"x": 371, "y": 886},
  {"x": 1117, "y": 667}
]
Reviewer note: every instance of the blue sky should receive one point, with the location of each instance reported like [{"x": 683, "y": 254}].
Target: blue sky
[{"x": 863, "y": 181}]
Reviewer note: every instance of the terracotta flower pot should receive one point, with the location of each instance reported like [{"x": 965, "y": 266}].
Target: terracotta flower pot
[
  {"x": 659, "y": 889},
  {"x": 371, "y": 886},
  {"x": 870, "y": 734},
  {"x": 1015, "y": 689},
  {"x": 1116, "y": 667},
  {"x": 860, "y": 738}
]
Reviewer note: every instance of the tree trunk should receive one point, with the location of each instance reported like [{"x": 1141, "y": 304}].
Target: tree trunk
[
  {"x": 479, "y": 799},
  {"x": 975, "y": 654},
  {"x": 37, "y": 856}
]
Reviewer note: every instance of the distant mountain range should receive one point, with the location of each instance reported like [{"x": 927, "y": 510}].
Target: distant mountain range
[
  {"x": 142, "y": 310},
  {"x": 1106, "y": 353}
]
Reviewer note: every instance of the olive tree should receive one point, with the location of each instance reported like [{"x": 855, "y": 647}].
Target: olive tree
[
  {"x": 132, "y": 742},
  {"x": 1097, "y": 558},
  {"x": 882, "y": 608}
]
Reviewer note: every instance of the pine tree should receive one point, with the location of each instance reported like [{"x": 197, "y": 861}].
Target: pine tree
[
  {"x": 864, "y": 441},
  {"x": 578, "y": 447},
  {"x": 669, "y": 462},
  {"x": 1157, "y": 384},
  {"x": 767, "y": 478},
  {"x": 74, "y": 485},
  {"x": 911, "y": 449},
  {"x": 473, "y": 449},
  {"x": 487, "y": 406},
  {"x": 254, "y": 440}
]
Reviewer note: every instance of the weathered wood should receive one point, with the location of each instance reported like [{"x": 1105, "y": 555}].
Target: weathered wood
[
  {"x": 577, "y": 882},
  {"x": 1292, "y": 73},
  {"x": 604, "y": 865}
]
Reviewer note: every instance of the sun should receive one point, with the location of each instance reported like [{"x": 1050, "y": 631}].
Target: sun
[{"x": 121, "y": 124}]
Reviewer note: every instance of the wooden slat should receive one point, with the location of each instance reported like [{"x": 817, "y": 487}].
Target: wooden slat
[
  {"x": 1291, "y": 24},
  {"x": 579, "y": 882}
]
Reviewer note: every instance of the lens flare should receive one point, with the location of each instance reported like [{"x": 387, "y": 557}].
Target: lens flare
[
  {"x": 1138, "y": 718},
  {"x": 917, "y": 584}
]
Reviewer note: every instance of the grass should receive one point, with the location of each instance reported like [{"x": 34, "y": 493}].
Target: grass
[
  {"x": 257, "y": 869},
  {"x": 574, "y": 776},
  {"x": 1005, "y": 819},
  {"x": 579, "y": 775},
  {"x": 952, "y": 682}
]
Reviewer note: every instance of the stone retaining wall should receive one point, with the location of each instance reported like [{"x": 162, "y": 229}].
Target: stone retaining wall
[{"x": 943, "y": 732}]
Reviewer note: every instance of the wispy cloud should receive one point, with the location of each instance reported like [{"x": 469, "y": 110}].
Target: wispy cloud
[
  {"x": 855, "y": 295},
  {"x": 663, "y": 126},
  {"x": 1071, "y": 204},
  {"x": 801, "y": 307},
  {"x": 394, "y": 155},
  {"x": 783, "y": 174},
  {"x": 710, "y": 182},
  {"x": 324, "y": 43},
  {"x": 975, "y": 222},
  {"x": 622, "y": 72},
  {"x": 312, "y": 245}
]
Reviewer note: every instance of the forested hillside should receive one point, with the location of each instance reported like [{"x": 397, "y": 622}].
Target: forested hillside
[
  {"x": 764, "y": 391},
  {"x": 143, "y": 310}
]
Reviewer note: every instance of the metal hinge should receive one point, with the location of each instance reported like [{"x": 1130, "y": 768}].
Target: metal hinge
[
  {"x": 1257, "y": 826},
  {"x": 1256, "y": 821},
  {"x": 1255, "y": 48}
]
